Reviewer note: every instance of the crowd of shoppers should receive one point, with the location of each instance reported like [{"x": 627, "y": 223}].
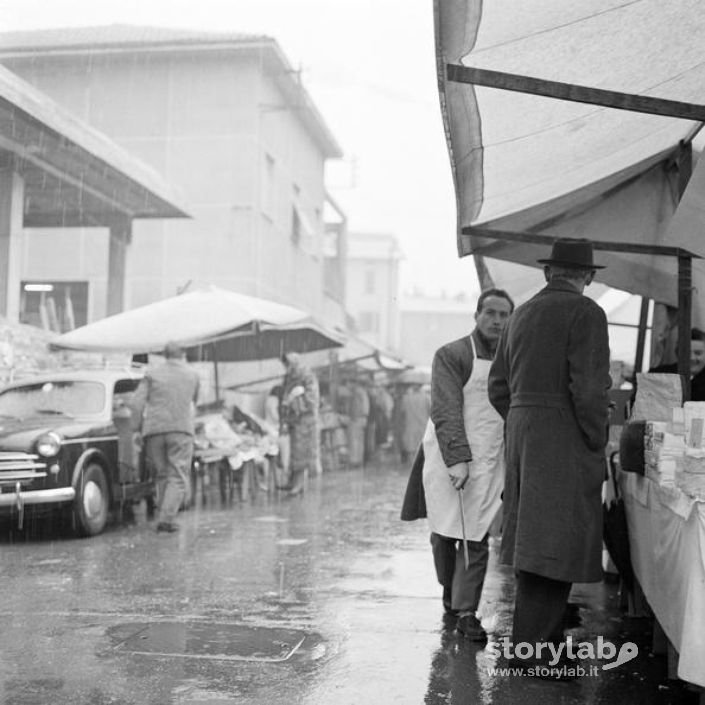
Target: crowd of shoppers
[{"x": 359, "y": 419}]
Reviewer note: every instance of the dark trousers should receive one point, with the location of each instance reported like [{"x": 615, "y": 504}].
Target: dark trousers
[
  {"x": 462, "y": 588},
  {"x": 539, "y": 608}
]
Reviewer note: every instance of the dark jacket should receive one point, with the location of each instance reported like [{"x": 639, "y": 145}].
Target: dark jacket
[
  {"x": 550, "y": 381},
  {"x": 165, "y": 399},
  {"x": 452, "y": 367}
]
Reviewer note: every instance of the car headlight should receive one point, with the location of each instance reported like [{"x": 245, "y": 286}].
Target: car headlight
[{"x": 49, "y": 444}]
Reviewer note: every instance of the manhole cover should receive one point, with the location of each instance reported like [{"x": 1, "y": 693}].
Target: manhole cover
[{"x": 230, "y": 642}]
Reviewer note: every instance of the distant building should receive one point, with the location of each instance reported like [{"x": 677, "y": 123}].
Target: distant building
[
  {"x": 372, "y": 283},
  {"x": 225, "y": 120},
  {"x": 427, "y": 323}
]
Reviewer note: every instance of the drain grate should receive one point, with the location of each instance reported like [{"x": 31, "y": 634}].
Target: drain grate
[{"x": 228, "y": 642}]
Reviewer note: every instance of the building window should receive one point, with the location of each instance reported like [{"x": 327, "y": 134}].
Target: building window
[
  {"x": 295, "y": 226},
  {"x": 370, "y": 281},
  {"x": 297, "y": 219},
  {"x": 368, "y": 322},
  {"x": 268, "y": 181},
  {"x": 55, "y": 306}
]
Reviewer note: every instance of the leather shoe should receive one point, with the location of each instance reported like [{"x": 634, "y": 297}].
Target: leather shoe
[
  {"x": 167, "y": 527},
  {"x": 469, "y": 626},
  {"x": 571, "y": 617}
]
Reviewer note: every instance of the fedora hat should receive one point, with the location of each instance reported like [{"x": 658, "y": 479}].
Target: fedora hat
[{"x": 572, "y": 253}]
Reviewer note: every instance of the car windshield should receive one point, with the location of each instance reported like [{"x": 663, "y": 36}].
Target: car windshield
[{"x": 70, "y": 398}]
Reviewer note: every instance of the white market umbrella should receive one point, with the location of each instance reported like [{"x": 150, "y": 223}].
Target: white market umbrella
[{"x": 195, "y": 319}]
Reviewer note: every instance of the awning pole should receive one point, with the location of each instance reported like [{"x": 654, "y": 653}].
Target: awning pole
[
  {"x": 333, "y": 377},
  {"x": 215, "y": 370},
  {"x": 685, "y": 276},
  {"x": 685, "y": 287},
  {"x": 641, "y": 335}
]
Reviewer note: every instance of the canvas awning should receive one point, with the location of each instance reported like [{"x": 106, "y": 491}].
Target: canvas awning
[
  {"x": 73, "y": 174},
  {"x": 368, "y": 357},
  {"x": 237, "y": 326},
  {"x": 531, "y": 163}
]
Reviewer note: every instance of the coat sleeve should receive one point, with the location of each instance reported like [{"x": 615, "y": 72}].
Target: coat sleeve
[
  {"x": 414, "y": 504},
  {"x": 588, "y": 371},
  {"x": 498, "y": 381},
  {"x": 449, "y": 373}
]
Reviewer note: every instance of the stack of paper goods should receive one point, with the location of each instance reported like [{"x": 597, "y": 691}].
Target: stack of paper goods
[
  {"x": 694, "y": 424},
  {"x": 692, "y": 479},
  {"x": 663, "y": 452}
]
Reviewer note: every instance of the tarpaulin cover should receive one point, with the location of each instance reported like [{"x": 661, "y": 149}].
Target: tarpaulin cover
[{"x": 525, "y": 162}]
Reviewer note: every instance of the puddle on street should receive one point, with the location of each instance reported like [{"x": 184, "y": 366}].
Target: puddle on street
[{"x": 227, "y": 642}]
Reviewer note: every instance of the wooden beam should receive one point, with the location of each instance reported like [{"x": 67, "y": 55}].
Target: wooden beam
[
  {"x": 575, "y": 93},
  {"x": 539, "y": 239}
]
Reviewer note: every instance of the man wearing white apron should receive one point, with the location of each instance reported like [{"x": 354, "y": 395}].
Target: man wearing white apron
[{"x": 464, "y": 460}]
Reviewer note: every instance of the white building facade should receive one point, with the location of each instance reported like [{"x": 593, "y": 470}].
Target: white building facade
[
  {"x": 226, "y": 122},
  {"x": 372, "y": 287}
]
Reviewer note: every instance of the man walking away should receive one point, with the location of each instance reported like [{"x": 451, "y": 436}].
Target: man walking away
[
  {"x": 550, "y": 381},
  {"x": 166, "y": 400}
]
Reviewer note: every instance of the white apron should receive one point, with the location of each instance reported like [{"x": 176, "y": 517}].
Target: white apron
[{"x": 481, "y": 496}]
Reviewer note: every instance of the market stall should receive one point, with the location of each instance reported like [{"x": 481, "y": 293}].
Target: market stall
[
  {"x": 594, "y": 144},
  {"x": 663, "y": 486},
  {"x": 667, "y": 543},
  {"x": 217, "y": 326},
  {"x": 549, "y": 142},
  {"x": 235, "y": 451}
]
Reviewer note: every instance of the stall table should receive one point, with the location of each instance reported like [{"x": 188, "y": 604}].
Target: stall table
[{"x": 667, "y": 542}]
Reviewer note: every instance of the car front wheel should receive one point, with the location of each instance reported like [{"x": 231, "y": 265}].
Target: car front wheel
[{"x": 91, "y": 503}]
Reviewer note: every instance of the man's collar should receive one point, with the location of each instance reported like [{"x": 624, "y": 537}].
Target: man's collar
[
  {"x": 562, "y": 285},
  {"x": 489, "y": 346}
]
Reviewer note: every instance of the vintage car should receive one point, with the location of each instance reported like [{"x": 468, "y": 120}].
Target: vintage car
[{"x": 67, "y": 445}]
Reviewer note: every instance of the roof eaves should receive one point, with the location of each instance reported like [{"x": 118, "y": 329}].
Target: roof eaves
[
  {"x": 28, "y": 101},
  {"x": 133, "y": 47},
  {"x": 295, "y": 92}
]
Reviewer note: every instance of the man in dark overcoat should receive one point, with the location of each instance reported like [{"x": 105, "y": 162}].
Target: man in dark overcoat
[{"x": 550, "y": 381}]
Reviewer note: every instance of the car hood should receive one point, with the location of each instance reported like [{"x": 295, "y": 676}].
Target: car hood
[{"x": 20, "y": 434}]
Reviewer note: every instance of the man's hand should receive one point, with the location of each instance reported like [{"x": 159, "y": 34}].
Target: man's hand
[{"x": 458, "y": 474}]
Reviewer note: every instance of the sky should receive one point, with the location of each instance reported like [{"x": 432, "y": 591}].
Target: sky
[{"x": 369, "y": 66}]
